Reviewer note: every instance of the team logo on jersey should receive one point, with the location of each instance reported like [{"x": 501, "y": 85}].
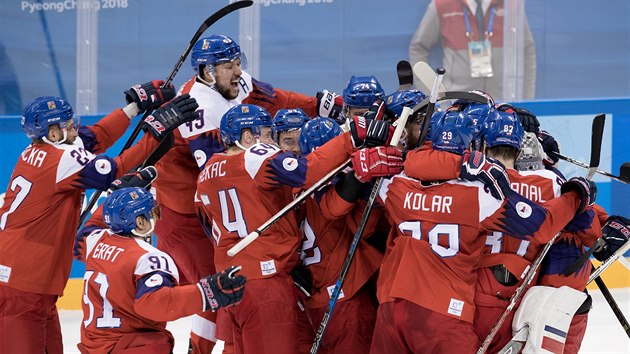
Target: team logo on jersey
[
  {"x": 200, "y": 157},
  {"x": 523, "y": 210},
  {"x": 51, "y": 105},
  {"x": 103, "y": 166},
  {"x": 290, "y": 163},
  {"x": 153, "y": 281}
]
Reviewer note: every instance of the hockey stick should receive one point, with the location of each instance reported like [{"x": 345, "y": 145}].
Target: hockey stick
[
  {"x": 423, "y": 70},
  {"x": 167, "y": 142},
  {"x": 595, "y": 275},
  {"x": 368, "y": 209},
  {"x": 596, "y": 148},
  {"x": 284, "y": 211},
  {"x": 624, "y": 169},
  {"x": 424, "y": 78},
  {"x": 405, "y": 75}
]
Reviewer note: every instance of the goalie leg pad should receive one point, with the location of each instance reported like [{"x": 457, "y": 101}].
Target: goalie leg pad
[{"x": 548, "y": 313}]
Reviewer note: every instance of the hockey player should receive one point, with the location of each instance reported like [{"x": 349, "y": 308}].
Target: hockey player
[
  {"x": 331, "y": 220},
  {"x": 438, "y": 228},
  {"x": 286, "y": 127},
  {"x": 219, "y": 84},
  {"x": 407, "y": 98},
  {"x": 127, "y": 279},
  {"x": 42, "y": 203},
  {"x": 358, "y": 96},
  {"x": 242, "y": 188}
]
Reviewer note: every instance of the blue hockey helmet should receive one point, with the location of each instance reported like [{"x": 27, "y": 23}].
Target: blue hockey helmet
[
  {"x": 123, "y": 206},
  {"x": 504, "y": 129},
  {"x": 44, "y": 112},
  {"x": 316, "y": 132},
  {"x": 286, "y": 120},
  {"x": 480, "y": 113},
  {"x": 453, "y": 132},
  {"x": 434, "y": 119},
  {"x": 239, "y": 117},
  {"x": 214, "y": 50},
  {"x": 405, "y": 98},
  {"x": 362, "y": 91}
]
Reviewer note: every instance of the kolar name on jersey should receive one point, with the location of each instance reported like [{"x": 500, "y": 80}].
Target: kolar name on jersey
[
  {"x": 106, "y": 252},
  {"x": 212, "y": 171},
  {"x": 531, "y": 192},
  {"x": 34, "y": 156},
  {"x": 418, "y": 201}
]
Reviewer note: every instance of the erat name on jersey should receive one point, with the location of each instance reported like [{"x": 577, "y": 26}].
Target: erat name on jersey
[
  {"x": 34, "y": 156},
  {"x": 106, "y": 252},
  {"x": 531, "y": 192},
  {"x": 212, "y": 171},
  {"x": 437, "y": 204}
]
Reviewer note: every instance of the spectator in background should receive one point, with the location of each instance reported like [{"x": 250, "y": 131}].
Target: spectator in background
[{"x": 471, "y": 32}]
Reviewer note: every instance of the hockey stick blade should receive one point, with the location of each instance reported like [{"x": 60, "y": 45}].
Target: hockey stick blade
[
  {"x": 405, "y": 75},
  {"x": 426, "y": 74},
  {"x": 596, "y": 144}
]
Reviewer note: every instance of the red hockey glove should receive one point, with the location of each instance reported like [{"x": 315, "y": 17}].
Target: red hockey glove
[
  {"x": 222, "y": 289},
  {"x": 150, "y": 94},
  {"x": 379, "y": 161}
]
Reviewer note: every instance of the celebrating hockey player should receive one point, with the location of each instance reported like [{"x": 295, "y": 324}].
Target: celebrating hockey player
[
  {"x": 358, "y": 96},
  {"x": 42, "y": 204},
  {"x": 219, "y": 84},
  {"x": 286, "y": 127},
  {"x": 127, "y": 279},
  {"x": 242, "y": 188}
]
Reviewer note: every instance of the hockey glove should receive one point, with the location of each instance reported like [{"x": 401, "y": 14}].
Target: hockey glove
[
  {"x": 330, "y": 104},
  {"x": 379, "y": 111},
  {"x": 370, "y": 132},
  {"x": 615, "y": 234},
  {"x": 150, "y": 95},
  {"x": 478, "y": 167},
  {"x": 550, "y": 145},
  {"x": 379, "y": 161},
  {"x": 222, "y": 289},
  {"x": 528, "y": 119},
  {"x": 168, "y": 117},
  {"x": 141, "y": 179},
  {"x": 586, "y": 190}
]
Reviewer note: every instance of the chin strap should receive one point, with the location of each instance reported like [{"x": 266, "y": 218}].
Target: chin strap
[
  {"x": 209, "y": 73},
  {"x": 147, "y": 235},
  {"x": 65, "y": 137}
]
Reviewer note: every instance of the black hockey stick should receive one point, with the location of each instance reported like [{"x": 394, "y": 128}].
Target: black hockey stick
[
  {"x": 596, "y": 149},
  {"x": 405, "y": 75},
  {"x": 624, "y": 170},
  {"x": 167, "y": 142},
  {"x": 360, "y": 229}
]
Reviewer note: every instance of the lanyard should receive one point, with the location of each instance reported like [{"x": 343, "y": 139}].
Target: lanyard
[{"x": 488, "y": 32}]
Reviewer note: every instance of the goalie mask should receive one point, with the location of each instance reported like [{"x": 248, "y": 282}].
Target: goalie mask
[
  {"x": 530, "y": 157},
  {"x": 123, "y": 206}
]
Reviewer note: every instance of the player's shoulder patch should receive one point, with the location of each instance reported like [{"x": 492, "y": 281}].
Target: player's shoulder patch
[
  {"x": 155, "y": 260},
  {"x": 257, "y": 154}
]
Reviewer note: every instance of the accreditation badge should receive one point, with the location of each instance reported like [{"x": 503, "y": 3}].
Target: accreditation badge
[{"x": 479, "y": 53}]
